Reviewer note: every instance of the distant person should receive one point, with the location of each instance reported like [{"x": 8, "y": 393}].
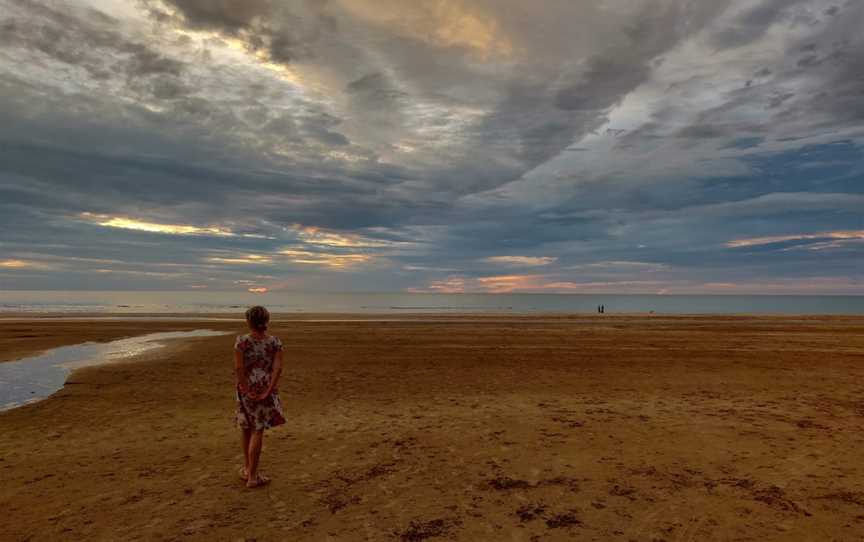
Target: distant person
[
  {"x": 602, "y": 309},
  {"x": 257, "y": 367}
]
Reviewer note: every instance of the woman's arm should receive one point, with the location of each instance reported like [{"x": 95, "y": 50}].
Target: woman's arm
[
  {"x": 240, "y": 372},
  {"x": 274, "y": 376}
]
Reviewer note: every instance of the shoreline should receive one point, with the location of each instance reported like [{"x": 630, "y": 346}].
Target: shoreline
[
  {"x": 390, "y": 315},
  {"x": 116, "y": 326},
  {"x": 27, "y": 337}
]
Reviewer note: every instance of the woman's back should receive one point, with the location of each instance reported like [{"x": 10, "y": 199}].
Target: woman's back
[{"x": 258, "y": 352}]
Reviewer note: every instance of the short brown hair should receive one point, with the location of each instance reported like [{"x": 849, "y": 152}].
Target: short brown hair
[{"x": 258, "y": 317}]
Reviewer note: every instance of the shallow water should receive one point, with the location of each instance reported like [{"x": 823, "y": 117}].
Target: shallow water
[
  {"x": 35, "y": 378},
  {"x": 118, "y": 302}
]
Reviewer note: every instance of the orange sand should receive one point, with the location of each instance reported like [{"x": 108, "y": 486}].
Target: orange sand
[{"x": 467, "y": 428}]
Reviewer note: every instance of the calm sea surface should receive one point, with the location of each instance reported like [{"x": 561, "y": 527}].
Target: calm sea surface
[{"x": 218, "y": 302}]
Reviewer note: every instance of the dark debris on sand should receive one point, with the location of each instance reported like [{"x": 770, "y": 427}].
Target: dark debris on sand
[
  {"x": 503, "y": 483},
  {"x": 772, "y": 496},
  {"x": 530, "y": 512},
  {"x": 421, "y": 530},
  {"x": 621, "y": 491},
  {"x": 337, "y": 497},
  {"x": 775, "y": 497},
  {"x": 560, "y": 521}
]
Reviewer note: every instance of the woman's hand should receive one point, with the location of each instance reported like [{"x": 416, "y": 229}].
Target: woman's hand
[
  {"x": 243, "y": 386},
  {"x": 261, "y": 396}
]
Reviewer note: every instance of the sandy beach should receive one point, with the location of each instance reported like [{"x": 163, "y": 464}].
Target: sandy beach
[{"x": 631, "y": 428}]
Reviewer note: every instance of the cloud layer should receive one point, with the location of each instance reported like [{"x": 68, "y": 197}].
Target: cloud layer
[{"x": 440, "y": 145}]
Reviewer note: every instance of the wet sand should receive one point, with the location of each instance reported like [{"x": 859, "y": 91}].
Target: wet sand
[
  {"x": 21, "y": 336},
  {"x": 463, "y": 428}
]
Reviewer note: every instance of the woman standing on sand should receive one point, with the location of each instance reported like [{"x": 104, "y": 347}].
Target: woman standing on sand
[{"x": 257, "y": 367}]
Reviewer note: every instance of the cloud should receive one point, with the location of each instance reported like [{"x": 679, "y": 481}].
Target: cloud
[
  {"x": 231, "y": 15},
  {"x": 325, "y": 259},
  {"x": 817, "y": 238},
  {"x": 22, "y": 264},
  {"x": 151, "y": 227},
  {"x": 626, "y": 266},
  {"x": 248, "y": 259},
  {"x": 427, "y": 145},
  {"x": 316, "y": 236},
  {"x": 521, "y": 261},
  {"x": 502, "y": 284},
  {"x": 751, "y": 23},
  {"x": 452, "y": 285}
]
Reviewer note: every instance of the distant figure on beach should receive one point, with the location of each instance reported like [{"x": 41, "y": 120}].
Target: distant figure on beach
[{"x": 257, "y": 367}]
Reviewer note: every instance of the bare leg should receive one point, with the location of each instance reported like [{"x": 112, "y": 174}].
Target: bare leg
[
  {"x": 245, "y": 435},
  {"x": 255, "y": 443}
]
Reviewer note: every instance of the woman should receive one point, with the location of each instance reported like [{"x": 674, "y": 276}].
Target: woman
[{"x": 257, "y": 367}]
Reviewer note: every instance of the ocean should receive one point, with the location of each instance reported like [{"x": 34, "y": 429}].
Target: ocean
[{"x": 165, "y": 302}]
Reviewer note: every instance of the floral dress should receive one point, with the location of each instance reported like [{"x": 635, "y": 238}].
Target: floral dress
[{"x": 259, "y": 355}]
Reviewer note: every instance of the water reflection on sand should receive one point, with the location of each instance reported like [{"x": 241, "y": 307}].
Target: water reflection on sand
[{"x": 35, "y": 378}]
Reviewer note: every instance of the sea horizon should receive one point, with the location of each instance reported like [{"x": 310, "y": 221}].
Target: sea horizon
[{"x": 179, "y": 301}]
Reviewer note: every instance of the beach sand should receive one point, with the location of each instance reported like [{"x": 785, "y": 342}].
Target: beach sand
[{"x": 462, "y": 428}]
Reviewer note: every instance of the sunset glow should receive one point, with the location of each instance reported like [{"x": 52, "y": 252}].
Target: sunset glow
[
  {"x": 316, "y": 236},
  {"x": 152, "y": 227},
  {"x": 249, "y": 259},
  {"x": 335, "y": 261},
  {"x": 522, "y": 260},
  {"x": 15, "y": 264}
]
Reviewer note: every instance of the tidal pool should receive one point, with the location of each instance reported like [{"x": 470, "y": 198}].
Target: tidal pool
[{"x": 35, "y": 378}]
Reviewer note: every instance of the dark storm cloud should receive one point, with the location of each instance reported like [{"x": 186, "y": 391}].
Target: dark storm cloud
[
  {"x": 612, "y": 75},
  {"x": 752, "y": 23},
  {"x": 84, "y": 39},
  {"x": 528, "y": 120},
  {"x": 286, "y": 34},
  {"x": 703, "y": 131},
  {"x": 428, "y": 139},
  {"x": 230, "y": 15}
]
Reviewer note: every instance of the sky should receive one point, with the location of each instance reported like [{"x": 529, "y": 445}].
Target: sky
[{"x": 561, "y": 146}]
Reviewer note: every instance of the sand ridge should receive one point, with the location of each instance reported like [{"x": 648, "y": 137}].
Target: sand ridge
[{"x": 595, "y": 428}]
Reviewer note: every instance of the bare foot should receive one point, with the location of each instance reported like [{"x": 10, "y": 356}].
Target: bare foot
[{"x": 259, "y": 481}]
